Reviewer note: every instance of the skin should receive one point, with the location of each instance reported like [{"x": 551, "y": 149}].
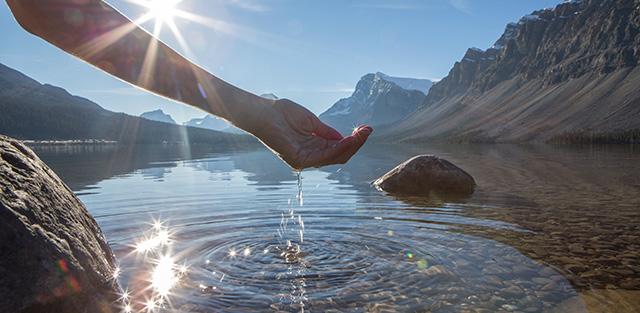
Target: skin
[{"x": 98, "y": 34}]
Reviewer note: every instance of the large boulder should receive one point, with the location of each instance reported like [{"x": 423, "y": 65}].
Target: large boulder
[
  {"x": 426, "y": 175},
  {"x": 53, "y": 255}
]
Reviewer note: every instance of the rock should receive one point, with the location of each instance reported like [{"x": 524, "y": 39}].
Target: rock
[
  {"x": 53, "y": 255},
  {"x": 426, "y": 175}
]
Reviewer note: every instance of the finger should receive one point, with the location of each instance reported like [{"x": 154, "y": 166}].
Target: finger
[
  {"x": 359, "y": 135},
  {"x": 344, "y": 149},
  {"x": 325, "y": 131}
]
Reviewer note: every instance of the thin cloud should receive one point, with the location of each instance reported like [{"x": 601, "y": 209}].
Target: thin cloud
[
  {"x": 461, "y": 5},
  {"x": 249, "y": 5},
  {"x": 318, "y": 90},
  {"x": 390, "y": 6}
]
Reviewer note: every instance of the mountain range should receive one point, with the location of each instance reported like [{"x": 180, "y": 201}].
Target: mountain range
[
  {"x": 159, "y": 116},
  {"x": 213, "y": 122},
  {"x": 563, "y": 74},
  {"x": 378, "y": 99},
  {"x": 35, "y": 111}
]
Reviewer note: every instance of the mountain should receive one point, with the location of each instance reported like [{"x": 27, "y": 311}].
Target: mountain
[
  {"x": 30, "y": 110},
  {"x": 564, "y": 74},
  {"x": 213, "y": 122},
  {"x": 422, "y": 85},
  {"x": 159, "y": 116},
  {"x": 269, "y": 96},
  {"x": 209, "y": 122},
  {"x": 377, "y": 100}
]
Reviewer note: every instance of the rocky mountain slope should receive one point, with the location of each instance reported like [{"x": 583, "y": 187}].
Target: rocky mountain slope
[
  {"x": 158, "y": 116},
  {"x": 30, "y": 110},
  {"x": 565, "y": 74},
  {"x": 377, "y": 100}
]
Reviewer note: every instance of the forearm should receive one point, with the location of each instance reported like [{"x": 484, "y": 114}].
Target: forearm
[{"x": 100, "y": 35}]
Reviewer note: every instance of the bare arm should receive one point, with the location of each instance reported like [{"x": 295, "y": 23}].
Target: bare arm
[{"x": 98, "y": 34}]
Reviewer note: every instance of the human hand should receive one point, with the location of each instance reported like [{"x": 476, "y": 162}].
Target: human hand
[{"x": 300, "y": 139}]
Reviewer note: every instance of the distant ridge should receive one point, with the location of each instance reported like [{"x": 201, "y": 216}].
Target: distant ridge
[
  {"x": 158, "y": 116},
  {"x": 209, "y": 122},
  {"x": 33, "y": 111}
]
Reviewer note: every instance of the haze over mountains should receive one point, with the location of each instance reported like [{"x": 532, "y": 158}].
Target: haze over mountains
[
  {"x": 378, "y": 99},
  {"x": 564, "y": 74},
  {"x": 30, "y": 110}
]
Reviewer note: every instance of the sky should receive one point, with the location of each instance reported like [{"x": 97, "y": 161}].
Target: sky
[{"x": 312, "y": 52}]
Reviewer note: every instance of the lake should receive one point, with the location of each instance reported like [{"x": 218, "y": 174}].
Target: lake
[{"x": 201, "y": 229}]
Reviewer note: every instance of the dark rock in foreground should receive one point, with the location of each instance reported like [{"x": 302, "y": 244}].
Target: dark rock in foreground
[
  {"x": 53, "y": 256},
  {"x": 426, "y": 175}
]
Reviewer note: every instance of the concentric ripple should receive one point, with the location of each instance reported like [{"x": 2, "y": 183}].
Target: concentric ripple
[{"x": 364, "y": 264}]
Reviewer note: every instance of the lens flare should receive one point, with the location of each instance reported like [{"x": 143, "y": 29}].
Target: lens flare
[
  {"x": 150, "y": 305},
  {"x": 164, "y": 277},
  {"x": 116, "y": 273},
  {"x": 156, "y": 271}
]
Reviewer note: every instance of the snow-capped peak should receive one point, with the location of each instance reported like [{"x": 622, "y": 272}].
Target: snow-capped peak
[
  {"x": 269, "y": 96},
  {"x": 422, "y": 85}
]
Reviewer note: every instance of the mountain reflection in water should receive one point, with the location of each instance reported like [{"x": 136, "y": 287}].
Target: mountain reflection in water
[{"x": 548, "y": 228}]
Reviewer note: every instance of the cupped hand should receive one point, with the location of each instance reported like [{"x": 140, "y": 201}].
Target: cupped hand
[{"x": 299, "y": 138}]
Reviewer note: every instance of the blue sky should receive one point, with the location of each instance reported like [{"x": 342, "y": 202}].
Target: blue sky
[{"x": 312, "y": 52}]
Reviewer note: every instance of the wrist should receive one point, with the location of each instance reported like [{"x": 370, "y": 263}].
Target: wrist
[{"x": 252, "y": 117}]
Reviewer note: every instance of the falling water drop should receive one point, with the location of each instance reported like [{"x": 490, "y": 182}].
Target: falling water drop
[{"x": 300, "y": 197}]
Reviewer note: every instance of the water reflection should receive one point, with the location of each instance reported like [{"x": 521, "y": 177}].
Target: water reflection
[{"x": 548, "y": 228}]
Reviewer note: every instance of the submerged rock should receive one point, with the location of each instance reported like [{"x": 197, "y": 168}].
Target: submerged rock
[
  {"x": 53, "y": 256},
  {"x": 426, "y": 175}
]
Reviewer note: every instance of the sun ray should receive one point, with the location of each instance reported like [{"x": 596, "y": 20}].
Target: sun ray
[
  {"x": 243, "y": 33},
  {"x": 148, "y": 65},
  {"x": 181, "y": 41},
  {"x": 100, "y": 43}
]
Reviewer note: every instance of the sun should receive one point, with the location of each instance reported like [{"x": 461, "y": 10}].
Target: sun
[{"x": 162, "y": 11}]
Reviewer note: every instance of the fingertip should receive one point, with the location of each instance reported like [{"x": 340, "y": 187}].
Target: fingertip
[
  {"x": 362, "y": 129},
  {"x": 362, "y": 133}
]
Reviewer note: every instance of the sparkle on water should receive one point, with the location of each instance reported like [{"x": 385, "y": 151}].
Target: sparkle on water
[
  {"x": 154, "y": 248},
  {"x": 164, "y": 276}
]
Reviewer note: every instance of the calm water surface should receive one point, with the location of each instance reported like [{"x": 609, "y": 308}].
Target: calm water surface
[{"x": 549, "y": 229}]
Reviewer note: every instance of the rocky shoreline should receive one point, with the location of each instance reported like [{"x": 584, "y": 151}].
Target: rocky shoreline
[{"x": 54, "y": 257}]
